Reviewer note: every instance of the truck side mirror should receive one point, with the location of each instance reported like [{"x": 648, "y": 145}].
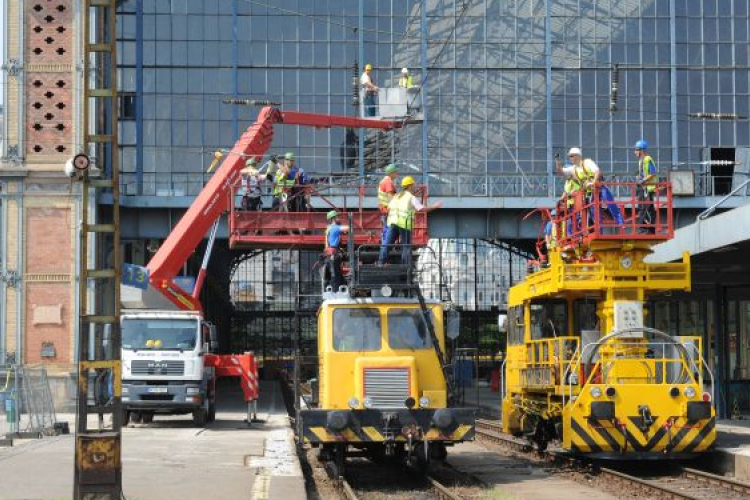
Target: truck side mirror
[
  {"x": 206, "y": 348},
  {"x": 453, "y": 323},
  {"x": 502, "y": 323},
  {"x": 107, "y": 340}
]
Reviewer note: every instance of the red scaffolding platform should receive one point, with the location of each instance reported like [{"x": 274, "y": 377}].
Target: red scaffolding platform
[{"x": 306, "y": 230}]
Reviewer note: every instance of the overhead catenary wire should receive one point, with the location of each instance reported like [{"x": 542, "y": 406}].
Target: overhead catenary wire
[{"x": 320, "y": 19}]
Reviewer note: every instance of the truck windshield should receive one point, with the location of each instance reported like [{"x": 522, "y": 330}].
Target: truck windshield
[
  {"x": 160, "y": 334},
  {"x": 407, "y": 329},
  {"x": 356, "y": 329}
]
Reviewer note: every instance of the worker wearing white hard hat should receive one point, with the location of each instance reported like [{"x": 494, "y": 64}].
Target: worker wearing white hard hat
[
  {"x": 405, "y": 81},
  {"x": 584, "y": 172},
  {"x": 252, "y": 185}
]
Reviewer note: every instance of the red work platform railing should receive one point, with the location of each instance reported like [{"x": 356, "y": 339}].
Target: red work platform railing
[
  {"x": 600, "y": 216},
  {"x": 277, "y": 229}
]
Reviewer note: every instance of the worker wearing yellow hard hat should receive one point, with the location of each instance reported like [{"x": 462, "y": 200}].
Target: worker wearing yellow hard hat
[
  {"x": 401, "y": 212},
  {"x": 369, "y": 89}
]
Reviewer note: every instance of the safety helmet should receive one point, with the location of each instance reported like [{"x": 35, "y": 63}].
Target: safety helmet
[
  {"x": 408, "y": 181},
  {"x": 390, "y": 169},
  {"x": 251, "y": 162},
  {"x": 368, "y": 67},
  {"x": 642, "y": 144},
  {"x": 404, "y": 70},
  {"x": 553, "y": 212},
  {"x": 575, "y": 151},
  {"x": 332, "y": 215},
  {"x": 289, "y": 156}
]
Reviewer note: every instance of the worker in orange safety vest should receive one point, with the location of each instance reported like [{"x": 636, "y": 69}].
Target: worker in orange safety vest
[{"x": 386, "y": 192}]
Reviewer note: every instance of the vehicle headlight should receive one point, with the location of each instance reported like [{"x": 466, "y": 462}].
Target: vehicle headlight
[
  {"x": 424, "y": 402},
  {"x": 367, "y": 402},
  {"x": 689, "y": 392},
  {"x": 353, "y": 403},
  {"x": 595, "y": 392},
  {"x": 386, "y": 291},
  {"x": 193, "y": 390}
]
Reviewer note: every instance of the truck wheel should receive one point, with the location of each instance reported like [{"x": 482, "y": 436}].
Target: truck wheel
[
  {"x": 135, "y": 417},
  {"x": 125, "y": 418},
  {"x": 147, "y": 417},
  {"x": 200, "y": 417},
  {"x": 212, "y": 411}
]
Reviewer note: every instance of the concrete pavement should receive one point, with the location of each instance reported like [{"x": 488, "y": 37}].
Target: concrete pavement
[{"x": 172, "y": 459}]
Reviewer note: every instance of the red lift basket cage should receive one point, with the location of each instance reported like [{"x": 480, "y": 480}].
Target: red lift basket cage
[
  {"x": 306, "y": 230},
  {"x": 593, "y": 218}
]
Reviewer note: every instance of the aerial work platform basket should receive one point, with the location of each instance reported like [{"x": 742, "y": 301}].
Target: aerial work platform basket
[
  {"x": 615, "y": 211},
  {"x": 276, "y": 229}
]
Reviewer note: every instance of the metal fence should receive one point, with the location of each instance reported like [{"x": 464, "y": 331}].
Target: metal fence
[
  {"x": 26, "y": 403},
  {"x": 443, "y": 184},
  {"x": 271, "y": 288}
]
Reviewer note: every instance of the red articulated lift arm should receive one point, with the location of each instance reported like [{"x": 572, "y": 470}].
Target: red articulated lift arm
[{"x": 213, "y": 200}]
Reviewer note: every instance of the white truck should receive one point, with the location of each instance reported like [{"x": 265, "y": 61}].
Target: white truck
[{"x": 164, "y": 367}]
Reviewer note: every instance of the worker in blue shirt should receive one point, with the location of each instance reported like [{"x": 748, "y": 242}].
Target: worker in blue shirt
[{"x": 332, "y": 251}]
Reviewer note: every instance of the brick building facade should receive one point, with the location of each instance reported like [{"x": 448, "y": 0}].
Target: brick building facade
[{"x": 39, "y": 205}]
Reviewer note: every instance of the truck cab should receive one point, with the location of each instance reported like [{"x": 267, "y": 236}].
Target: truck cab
[{"x": 164, "y": 369}]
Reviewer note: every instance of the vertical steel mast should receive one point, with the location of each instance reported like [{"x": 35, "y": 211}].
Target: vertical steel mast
[{"x": 98, "y": 471}]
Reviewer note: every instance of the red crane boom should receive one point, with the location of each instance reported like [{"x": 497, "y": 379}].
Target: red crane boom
[{"x": 213, "y": 200}]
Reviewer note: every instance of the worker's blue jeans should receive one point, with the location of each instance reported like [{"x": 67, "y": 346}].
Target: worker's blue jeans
[
  {"x": 370, "y": 104},
  {"x": 384, "y": 222},
  {"x": 394, "y": 234}
]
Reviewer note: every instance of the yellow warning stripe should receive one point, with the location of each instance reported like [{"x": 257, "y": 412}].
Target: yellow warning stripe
[{"x": 373, "y": 434}]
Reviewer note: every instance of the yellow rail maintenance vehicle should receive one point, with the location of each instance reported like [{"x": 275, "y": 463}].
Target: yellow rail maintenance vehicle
[
  {"x": 383, "y": 385},
  {"x": 582, "y": 369}
]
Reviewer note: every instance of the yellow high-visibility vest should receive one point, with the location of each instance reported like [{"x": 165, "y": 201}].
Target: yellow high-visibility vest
[
  {"x": 279, "y": 183},
  {"x": 405, "y": 82},
  {"x": 571, "y": 186},
  {"x": 583, "y": 174},
  {"x": 401, "y": 211},
  {"x": 384, "y": 197},
  {"x": 650, "y": 186}
]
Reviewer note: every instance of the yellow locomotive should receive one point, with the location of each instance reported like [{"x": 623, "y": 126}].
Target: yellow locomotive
[
  {"x": 581, "y": 368},
  {"x": 383, "y": 385}
]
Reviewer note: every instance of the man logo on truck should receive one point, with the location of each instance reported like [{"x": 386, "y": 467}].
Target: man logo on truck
[{"x": 154, "y": 367}]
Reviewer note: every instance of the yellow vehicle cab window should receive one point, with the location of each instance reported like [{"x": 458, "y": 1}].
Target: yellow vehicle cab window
[
  {"x": 549, "y": 319},
  {"x": 515, "y": 325},
  {"x": 356, "y": 329},
  {"x": 407, "y": 329}
]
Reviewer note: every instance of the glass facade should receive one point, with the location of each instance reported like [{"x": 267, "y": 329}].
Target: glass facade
[
  {"x": 505, "y": 84},
  {"x": 727, "y": 352}
]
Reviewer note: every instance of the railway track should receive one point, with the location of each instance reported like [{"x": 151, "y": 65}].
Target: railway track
[
  {"x": 688, "y": 484},
  {"x": 684, "y": 484},
  {"x": 396, "y": 484}
]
